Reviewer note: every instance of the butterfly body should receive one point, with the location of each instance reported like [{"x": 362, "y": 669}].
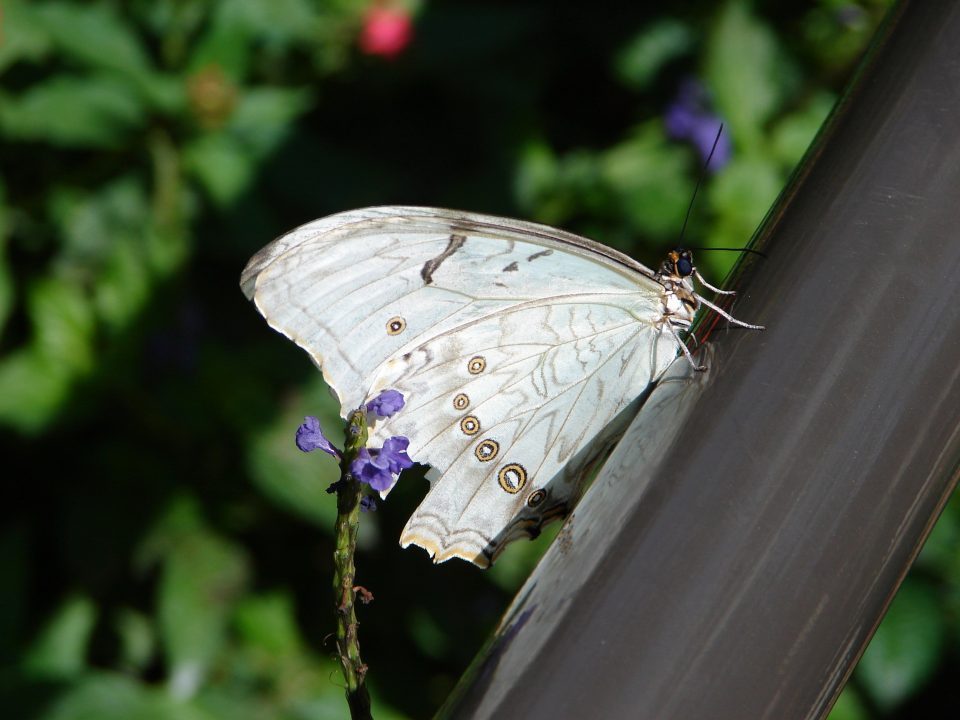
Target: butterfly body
[{"x": 518, "y": 348}]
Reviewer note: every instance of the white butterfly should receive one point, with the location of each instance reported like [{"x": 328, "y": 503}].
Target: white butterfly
[{"x": 519, "y": 350}]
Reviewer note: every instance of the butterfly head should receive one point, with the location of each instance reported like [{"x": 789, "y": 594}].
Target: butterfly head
[
  {"x": 679, "y": 264},
  {"x": 676, "y": 275}
]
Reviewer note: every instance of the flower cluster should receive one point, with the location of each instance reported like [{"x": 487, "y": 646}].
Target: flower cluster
[
  {"x": 377, "y": 467},
  {"x": 688, "y": 119}
]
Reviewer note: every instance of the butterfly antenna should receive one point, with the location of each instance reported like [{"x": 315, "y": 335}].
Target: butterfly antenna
[
  {"x": 696, "y": 188},
  {"x": 737, "y": 250}
]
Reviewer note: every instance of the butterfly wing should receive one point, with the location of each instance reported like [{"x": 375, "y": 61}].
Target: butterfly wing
[
  {"x": 511, "y": 411},
  {"x": 514, "y": 345}
]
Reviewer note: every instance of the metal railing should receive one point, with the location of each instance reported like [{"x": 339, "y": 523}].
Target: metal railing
[{"x": 736, "y": 554}]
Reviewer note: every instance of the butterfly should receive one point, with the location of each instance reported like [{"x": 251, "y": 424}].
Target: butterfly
[{"x": 520, "y": 350}]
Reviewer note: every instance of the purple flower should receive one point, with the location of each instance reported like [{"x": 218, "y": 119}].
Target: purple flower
[
  {"x": 377, "y": 467},
  {"x": 688, "y": 119},
  {"x": 310, "y": 437},
  {"x": 395, "y": 451},
  {"x": 387, "y": 403},
  {"x": 368, "y": 504},
  {"x": 369, "y": 469}
]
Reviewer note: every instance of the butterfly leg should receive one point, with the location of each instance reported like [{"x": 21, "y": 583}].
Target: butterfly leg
[
  {"x": 708, "y": 286},
  {"x": 684, "y": 348},
  {"x": 728, "y": 316}
]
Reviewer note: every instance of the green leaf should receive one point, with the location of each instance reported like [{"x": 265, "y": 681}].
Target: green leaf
[
  {"x": 60, "y": 650},
  {"x": 650, "y": 179},
  {"x": 124, "y": 287},
  {"x": 746, "y": 72},
  {"x": 224, "y": 167},
  {"x": 835, "y": 32},
  {"x": 657, "y": 44},
  {"x": 536, "y": 185},
  {"x": 516, "y": 563},
  {"x": 181, "y": 518},
  {"x": 225, "y": 161},
  {"x": 939, "y": 555},
  {"x": 277, "y": 22},
  {"x": 226, "y": 45},
  {"x": 104, "y": 696},
  {"x": 163, "y": 93},
  {"x": 792, "y": 135},
  {"x": 295, "y": 480},
  {"x": 97, "y": 112},
  {"x": 264, "y": 117},
  {"x": 903, "y": 654},
  {"x": 848, "y": 707},
  {"x": 35, "y": 381},
  {"x": 741, "y": 195},
  {"x": 238, "y": 27},
  {"x": 167, "y": 238},
  {"x": 6, "y": 277},
  {"x": 106, "y": 235},
  {"x": 203, "y": 576},
  {"x": 63, "y": 323},
  {"x": 93, "y": 34},
  {"x": 137, "y": 639},
  {"x": 427, "y": 634},
  {"x": 268, "y": 623},
  {"x": 89, "y": 222},
  {"x": 33, "y": 387},
  {"x": 24, "y": 36}
]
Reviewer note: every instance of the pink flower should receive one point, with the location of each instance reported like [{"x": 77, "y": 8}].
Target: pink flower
[{"x": 386, "y": 31}]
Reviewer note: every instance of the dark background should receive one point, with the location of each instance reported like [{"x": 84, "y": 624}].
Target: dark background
[{"x": 166, "y": 551}]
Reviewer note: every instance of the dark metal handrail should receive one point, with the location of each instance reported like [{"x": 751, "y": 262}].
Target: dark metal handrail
[{"x": 798, "y": 480}]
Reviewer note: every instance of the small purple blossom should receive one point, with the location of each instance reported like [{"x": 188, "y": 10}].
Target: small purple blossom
[
  {"x": 688, "y": 119},
  {"x": 368, "y": 504},
  {"x": 387, "y": 403},
  {"x": 376, "y": 467},
  {"x": 310, "y": 437},
  {"x": 395, "y": 451}
]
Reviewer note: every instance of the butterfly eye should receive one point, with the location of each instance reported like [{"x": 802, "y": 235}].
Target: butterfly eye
[
  {"x": 396, "y": 325},
  {"x": 471, "y": 426},
  {"x": 487, "y": 450},
  {"x": 476, "y": 365},
  {"x": 512, "y": 478},
  {"x": 684, "y": 263},
  {"x": 536, "y": 498}
]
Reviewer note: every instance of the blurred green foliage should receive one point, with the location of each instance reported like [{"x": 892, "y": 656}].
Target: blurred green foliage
[{"x": 167, "y": 553}]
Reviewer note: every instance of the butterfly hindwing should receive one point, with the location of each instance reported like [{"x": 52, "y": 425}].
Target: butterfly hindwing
[{"x": 504, "y": 407}]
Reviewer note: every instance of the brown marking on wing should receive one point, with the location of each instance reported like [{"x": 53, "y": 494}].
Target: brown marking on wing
[
  {"x": 431, "y": 265},
  {"x": 542, "y": 253}
]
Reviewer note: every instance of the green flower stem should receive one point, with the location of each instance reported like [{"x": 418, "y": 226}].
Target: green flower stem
[{"x": 348, "y": 523}]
